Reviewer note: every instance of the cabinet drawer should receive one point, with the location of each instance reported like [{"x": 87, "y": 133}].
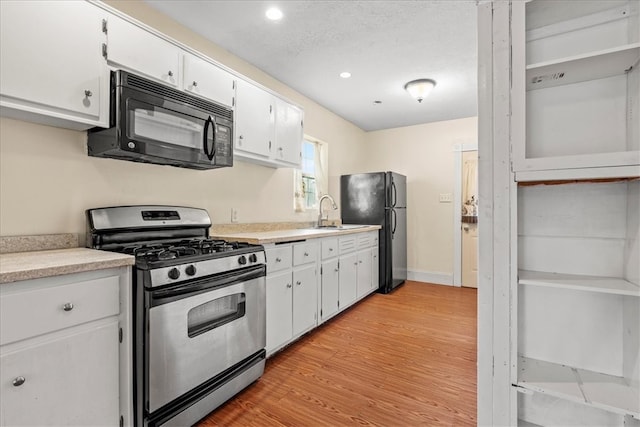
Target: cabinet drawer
[
  {"x": 329, "y": 248},
  {"x": 347, "y": 244},
  {"x": 305, "y": 253},
  {"x": 35, "y": 312},
  {"x": 278, "y": 258}
]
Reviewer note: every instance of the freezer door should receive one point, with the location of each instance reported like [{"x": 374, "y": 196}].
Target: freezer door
[
  {"x": 397, "y": 190},
  {"x": 362, "y": 198}
]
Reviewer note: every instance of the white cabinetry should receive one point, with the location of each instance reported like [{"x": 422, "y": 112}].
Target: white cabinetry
[
  {"x": 268, "y": 129},
  {"x": 330, "y": 278},
  {"x": 61, "y": 360},
  {"x": 205, "y": 79},
  {"x": 52, "y": 70},
  {"x": 292, "y": 288},
  {"x": 356, "y": 266},
  {"x": 132, "y": 47},
  {"x": 559, "y": 302}
]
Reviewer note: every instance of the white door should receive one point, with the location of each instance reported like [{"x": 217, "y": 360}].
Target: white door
[
  {"x": 469, "y": 219},
  {"x": 205, "y": 79},
  {"x": 305, "y": 303},
  {"x": 288, "y": 132},
  {"x": 330, "y": 288},
  {"x": 348, "y": 276},
  {"x": 254, "y": 119},
  {"x": 279, "y": 310}
]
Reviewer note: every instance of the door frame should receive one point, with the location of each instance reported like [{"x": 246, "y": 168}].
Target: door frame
[{"x": 457, "y": 209}]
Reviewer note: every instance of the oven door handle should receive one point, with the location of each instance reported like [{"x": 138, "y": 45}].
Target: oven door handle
[
  {"x": 187, "y": 289},
  {"x": 205, "y": 140}
]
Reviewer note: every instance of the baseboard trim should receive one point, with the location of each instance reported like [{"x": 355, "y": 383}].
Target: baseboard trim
[{"x": 430, "y": 277}]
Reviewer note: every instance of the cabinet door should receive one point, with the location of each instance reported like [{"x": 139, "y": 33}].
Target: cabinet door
[
  {"x": 254, "y": 120},
  {"x": 208, "y": 81},
  {"x": 375, "y": 269},
  {"x": 288, "y": 133},
  {"x": 279, "y": 305},
  {"x": 330, "y": 288},
  {"x": 305, "y": 302},
  {"x": 132, "y": 47},
  {"x": 71, "y": 380},
  {"x": 364, "y": 273},
  {"x": 348, "y": 276},
  {"x": 52, "y": 59}
]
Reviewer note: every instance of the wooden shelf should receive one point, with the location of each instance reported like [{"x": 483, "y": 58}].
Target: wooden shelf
[
  {"x": 601, "y": 391},
  {"x": 584, "y": 173},
  {"x": 605, "y": 285},
  {"x": 580, "y": 68}
]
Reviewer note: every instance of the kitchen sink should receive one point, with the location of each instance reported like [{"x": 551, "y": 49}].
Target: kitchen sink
[{"x": 339, "y": 227}]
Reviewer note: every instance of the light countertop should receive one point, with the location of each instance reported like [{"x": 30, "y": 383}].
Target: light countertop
[
  {"x": 278, "y": 236},
  {"x": 33, "y": 265}
]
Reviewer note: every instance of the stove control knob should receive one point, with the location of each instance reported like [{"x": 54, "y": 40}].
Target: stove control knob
[
  {"x": 242, "y": 260},
  {"x": 174, "y": 273},
  {"x": 253, "y": 258},
  {"x": 190, "y": 270}
]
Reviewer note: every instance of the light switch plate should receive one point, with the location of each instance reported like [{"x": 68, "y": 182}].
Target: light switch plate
[{"x": 445, "y": 198}]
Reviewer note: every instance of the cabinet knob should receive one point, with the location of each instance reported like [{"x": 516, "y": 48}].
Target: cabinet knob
[
  {"x": 306, "y": 254},
  {"x": 68, "y": 306},
  {"x": 298, "y": 283},
  {"x": 278, "y": 259},
  {"x": 330, "y": 249},
  {"x": 170, "y": 73},
  {"x": 195, "y": 83},
  {"x": 88, "y": 93},
  {"x": 18, "y": 381},
  {"x": 360, "y": 261},
  {"x": 288, "y": 285},
  {"x": 355, "y": 263},
  {"x": 337, "y": 269}
]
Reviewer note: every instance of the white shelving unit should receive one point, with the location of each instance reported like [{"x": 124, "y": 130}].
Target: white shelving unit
[{"x": 561, "y": 213}]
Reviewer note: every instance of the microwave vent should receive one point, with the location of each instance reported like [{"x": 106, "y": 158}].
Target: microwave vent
[{"x": 167, "y": 92}]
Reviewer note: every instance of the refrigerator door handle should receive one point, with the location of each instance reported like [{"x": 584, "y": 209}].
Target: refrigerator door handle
[
  {"x": 394, "y": 194},
  {"x": 394, "y": 221}
]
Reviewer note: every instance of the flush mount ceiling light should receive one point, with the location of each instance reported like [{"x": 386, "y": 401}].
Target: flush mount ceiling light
[
  {"x": 420, "y": 88},
  {"x": 345, "y": 74},
  {"x": 274, "y": 14}
]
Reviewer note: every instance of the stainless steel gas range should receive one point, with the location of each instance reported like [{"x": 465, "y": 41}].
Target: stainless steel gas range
[{"x": 199, "y": 309}]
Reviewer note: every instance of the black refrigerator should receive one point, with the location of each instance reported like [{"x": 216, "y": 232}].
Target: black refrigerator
[{"x": 380, "y": 198}]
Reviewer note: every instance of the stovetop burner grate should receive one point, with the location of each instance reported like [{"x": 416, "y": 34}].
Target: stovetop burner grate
[{"x": 182, "y": 249}]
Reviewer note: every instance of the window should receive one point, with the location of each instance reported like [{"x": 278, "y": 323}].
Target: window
[{"x": 310, "y": 181}]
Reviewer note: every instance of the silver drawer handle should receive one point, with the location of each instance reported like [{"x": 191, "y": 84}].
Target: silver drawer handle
[
  {"x": 288, "y": 285},
  {"x": 360, "y": 261},
  {"x": 306, "y": 254},
  {"x": 195, "y": 83},
  {"x": 337, "y": 269},
  {"x": 278, "y": 259},
  {"x": 88, "y": 93},
  {"x": 18, "y": 381},
  {"x": 298, "y": 283},
  {"x": 170, "y": 73},
  {"x": 330, "y": 249},
  {"x": 68, "y": 306}
]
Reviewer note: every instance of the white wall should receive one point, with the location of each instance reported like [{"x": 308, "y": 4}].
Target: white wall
[{"x": 424, "y": 153}]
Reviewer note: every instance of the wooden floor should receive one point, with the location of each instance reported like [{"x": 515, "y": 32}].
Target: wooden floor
[{"x": 403, "y": 359}]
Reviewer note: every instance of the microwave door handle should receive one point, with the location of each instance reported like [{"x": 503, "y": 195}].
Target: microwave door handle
[{"x": 205, "y": 141}]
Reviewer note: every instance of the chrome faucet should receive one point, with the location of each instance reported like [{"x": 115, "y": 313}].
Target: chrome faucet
[{"x": 333, "y": 206}]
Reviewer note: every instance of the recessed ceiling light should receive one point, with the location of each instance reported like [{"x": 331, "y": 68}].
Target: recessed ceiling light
[
  {"x": 274, "y": 14},
  {"x": 345, "y": 74}
]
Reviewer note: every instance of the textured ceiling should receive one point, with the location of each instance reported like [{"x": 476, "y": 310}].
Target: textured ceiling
[{"x": 383, "y": 44}]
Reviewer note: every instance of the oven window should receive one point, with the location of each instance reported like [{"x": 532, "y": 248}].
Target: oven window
[
  {"x": 159, "y": 124},
  {"x": 215, "y": 313}
]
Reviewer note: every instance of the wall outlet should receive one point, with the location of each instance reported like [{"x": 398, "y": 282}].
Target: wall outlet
[
  {"x": 234, "y": 215},
  {"x": 446, "y": 198}
]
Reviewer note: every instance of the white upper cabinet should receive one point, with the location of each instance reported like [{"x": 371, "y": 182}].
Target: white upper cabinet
[
  {"x": 576, "y": 89},
  {"x": 268, "y": 129},
  {"x": 204, "y": 79},
  {"x": 136, "y": 49},
  {"x": 51, "y": 68},
  {"x": 254, "y": 122},
  {"x": 288, "y": 133}
]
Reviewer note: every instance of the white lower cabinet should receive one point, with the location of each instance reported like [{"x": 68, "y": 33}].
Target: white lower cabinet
[
  {"x": 65, "y": 353},
  {"x": 298, "y": 298},
  {"x": 292, "y": 289},
  {"x": 70, "y": 380}
]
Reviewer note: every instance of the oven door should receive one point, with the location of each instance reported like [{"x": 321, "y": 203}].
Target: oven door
[{"x": 198, "y": 330}]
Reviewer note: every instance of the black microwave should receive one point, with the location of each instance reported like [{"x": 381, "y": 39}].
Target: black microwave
[{"x": 153, "y": 123}]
